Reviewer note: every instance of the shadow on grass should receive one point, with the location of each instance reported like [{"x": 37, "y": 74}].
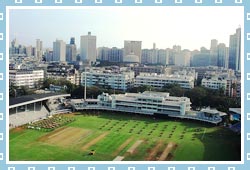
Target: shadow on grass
[{"x": 220, "y": 144}]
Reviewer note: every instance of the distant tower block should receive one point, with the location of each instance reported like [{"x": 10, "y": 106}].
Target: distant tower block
[
  {"x": 72, "y": 40},
  {"x": 133, "y": 48},
  {"x": 88, "y": 48}
]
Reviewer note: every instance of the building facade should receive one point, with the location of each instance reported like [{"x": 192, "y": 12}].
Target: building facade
[
  {"x": 214, "y": 83},
  {"x": 39, "y": 49},
  {"x": 133, "y": 48},
  {"x": 88, "y": 48},
  {"x": 59, "y": 51},
  {"x": 114, "y": 79},
  {"x": 63, "y": 71},
  {"x": 71, "y": 52},
  {"x": 113, "y": 54},
  {"x": 235, "y": 51},
  {"x": 213, "y": 52},
  {"x": 146, "y": 103},
  {"x": 222, "y": 55},
  {"x": 29, "y": 78},
  {"x": 159, "y": 81}
]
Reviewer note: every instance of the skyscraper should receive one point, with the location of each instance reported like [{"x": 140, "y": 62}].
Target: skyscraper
[
  {"x": 182, "y": 58},
  {"x": 88, "y": 48},
  {"x": 71, "y": 50},
  {"x": 235, "y": 51},
  {"x": 222, "y": 55},
  {"x": 163, "y": 56},
  {"x": 29, "y": 51},
  {"x": 133, "y": 48},
  {"x": 213, "y": 52},
  {"x": 116, "y": 55},
  {"x": 59, "y": 50},
  {"x": 72, "y": 40},
  {"x": 39, "y": 49}
]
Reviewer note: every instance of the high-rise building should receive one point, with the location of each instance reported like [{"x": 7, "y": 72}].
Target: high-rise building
[
  {"x": 154, "y": 54},
  {"x": 103, "y": 53},
  {"x": 116, "y": 55},
  {"x": 88, "y": 48},
  {"x": 202, "y": 58},
  {"x": 177, "y": 48},
  {"x": 163, "y": 56},
  {"x": 113, "y": 54},
  {"x": 39, "y": 49},
  {"x": 59, "y": 50},
  {"x": 145, "y": 56},
  {"x": 72, "y": 40},
  {"x": 29, "y": 51},
  {"x": 14, "y": 47},
  {"x": 182, "y": 58},
  {"x": 49, "y": 54},
  {"x": 133, "y": 48},
  {"x": 71, "y": 50},
  {"x": 213, "y": 52},
  {"x": 222, "y": 55},
  {"x": 29, "y": 78},
  {"x": 235, "y": 51}
]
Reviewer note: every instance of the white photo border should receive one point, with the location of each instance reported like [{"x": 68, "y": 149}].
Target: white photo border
[{"x": 4, "y": 160}]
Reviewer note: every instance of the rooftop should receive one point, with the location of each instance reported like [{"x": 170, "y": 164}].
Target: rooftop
[{"x": 14, "y": 102}]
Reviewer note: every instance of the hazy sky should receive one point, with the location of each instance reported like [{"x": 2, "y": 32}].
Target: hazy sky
[{"x": 190, "y": 27}]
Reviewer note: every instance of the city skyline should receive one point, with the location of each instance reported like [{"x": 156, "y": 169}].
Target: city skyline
[{"x": 119, "y": 26}]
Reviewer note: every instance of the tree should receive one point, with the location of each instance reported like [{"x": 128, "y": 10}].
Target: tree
[
  {"x": 141, "y": 89},
  {"x": 12, "y": 91},
  {"x": 174, "y": 90},
  {"x": 197, "y": 96}
]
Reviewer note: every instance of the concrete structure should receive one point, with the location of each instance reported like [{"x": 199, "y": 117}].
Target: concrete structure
[
  {"x": 63, "y": 71},
  {"x": 49, "y": 55},
  {"x": 214, "y": 83},
  {"x": 150, "y": 69},
  {"x": 120, "y": 79},
  {"x": 223, "y": 53},
  {"x": 182, "y": 58},
  {"x": 146, "y": 103},
  {"x": 25, "y": 109},
  {"x": 88, "y": 48},
  {"x": 131, "y": 58},
  {"x": 29, "y": 51},
  {"x": 163, "y": 56},
  {"x": 159, "y": 81},
  {"x": 103, "y": 53},
  {"x": 29, "y": 78},
  {"x": 59, "y": 50},
  {"x": 201, "y": 59},
  {"x": 146, "y": 57},
  {"x": 133, "y": 48},
  {"x": 222, "y": 78},
  {"x": 110, "y": 54},
  {"x": 39, "y": 49},
  {"x": 235, "y": 51},
  {"x": 149, "y": 103},
  {"x": 116, "y": 55},
  {"x": 155, "y": 56},
  {"x": 70, "y": 52},
  {"x": 214, "y": 52}
]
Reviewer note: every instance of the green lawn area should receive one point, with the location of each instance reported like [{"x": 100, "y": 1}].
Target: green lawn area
[{"x": 109, "y": 135}]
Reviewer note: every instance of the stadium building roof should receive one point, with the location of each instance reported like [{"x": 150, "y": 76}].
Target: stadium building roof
[
  {"x": 23, "y": 100},
  {"x": 235, "y": 110}
]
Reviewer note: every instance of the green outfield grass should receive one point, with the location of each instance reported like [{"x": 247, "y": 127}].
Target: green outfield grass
[{"x": 108, "y": 135}]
